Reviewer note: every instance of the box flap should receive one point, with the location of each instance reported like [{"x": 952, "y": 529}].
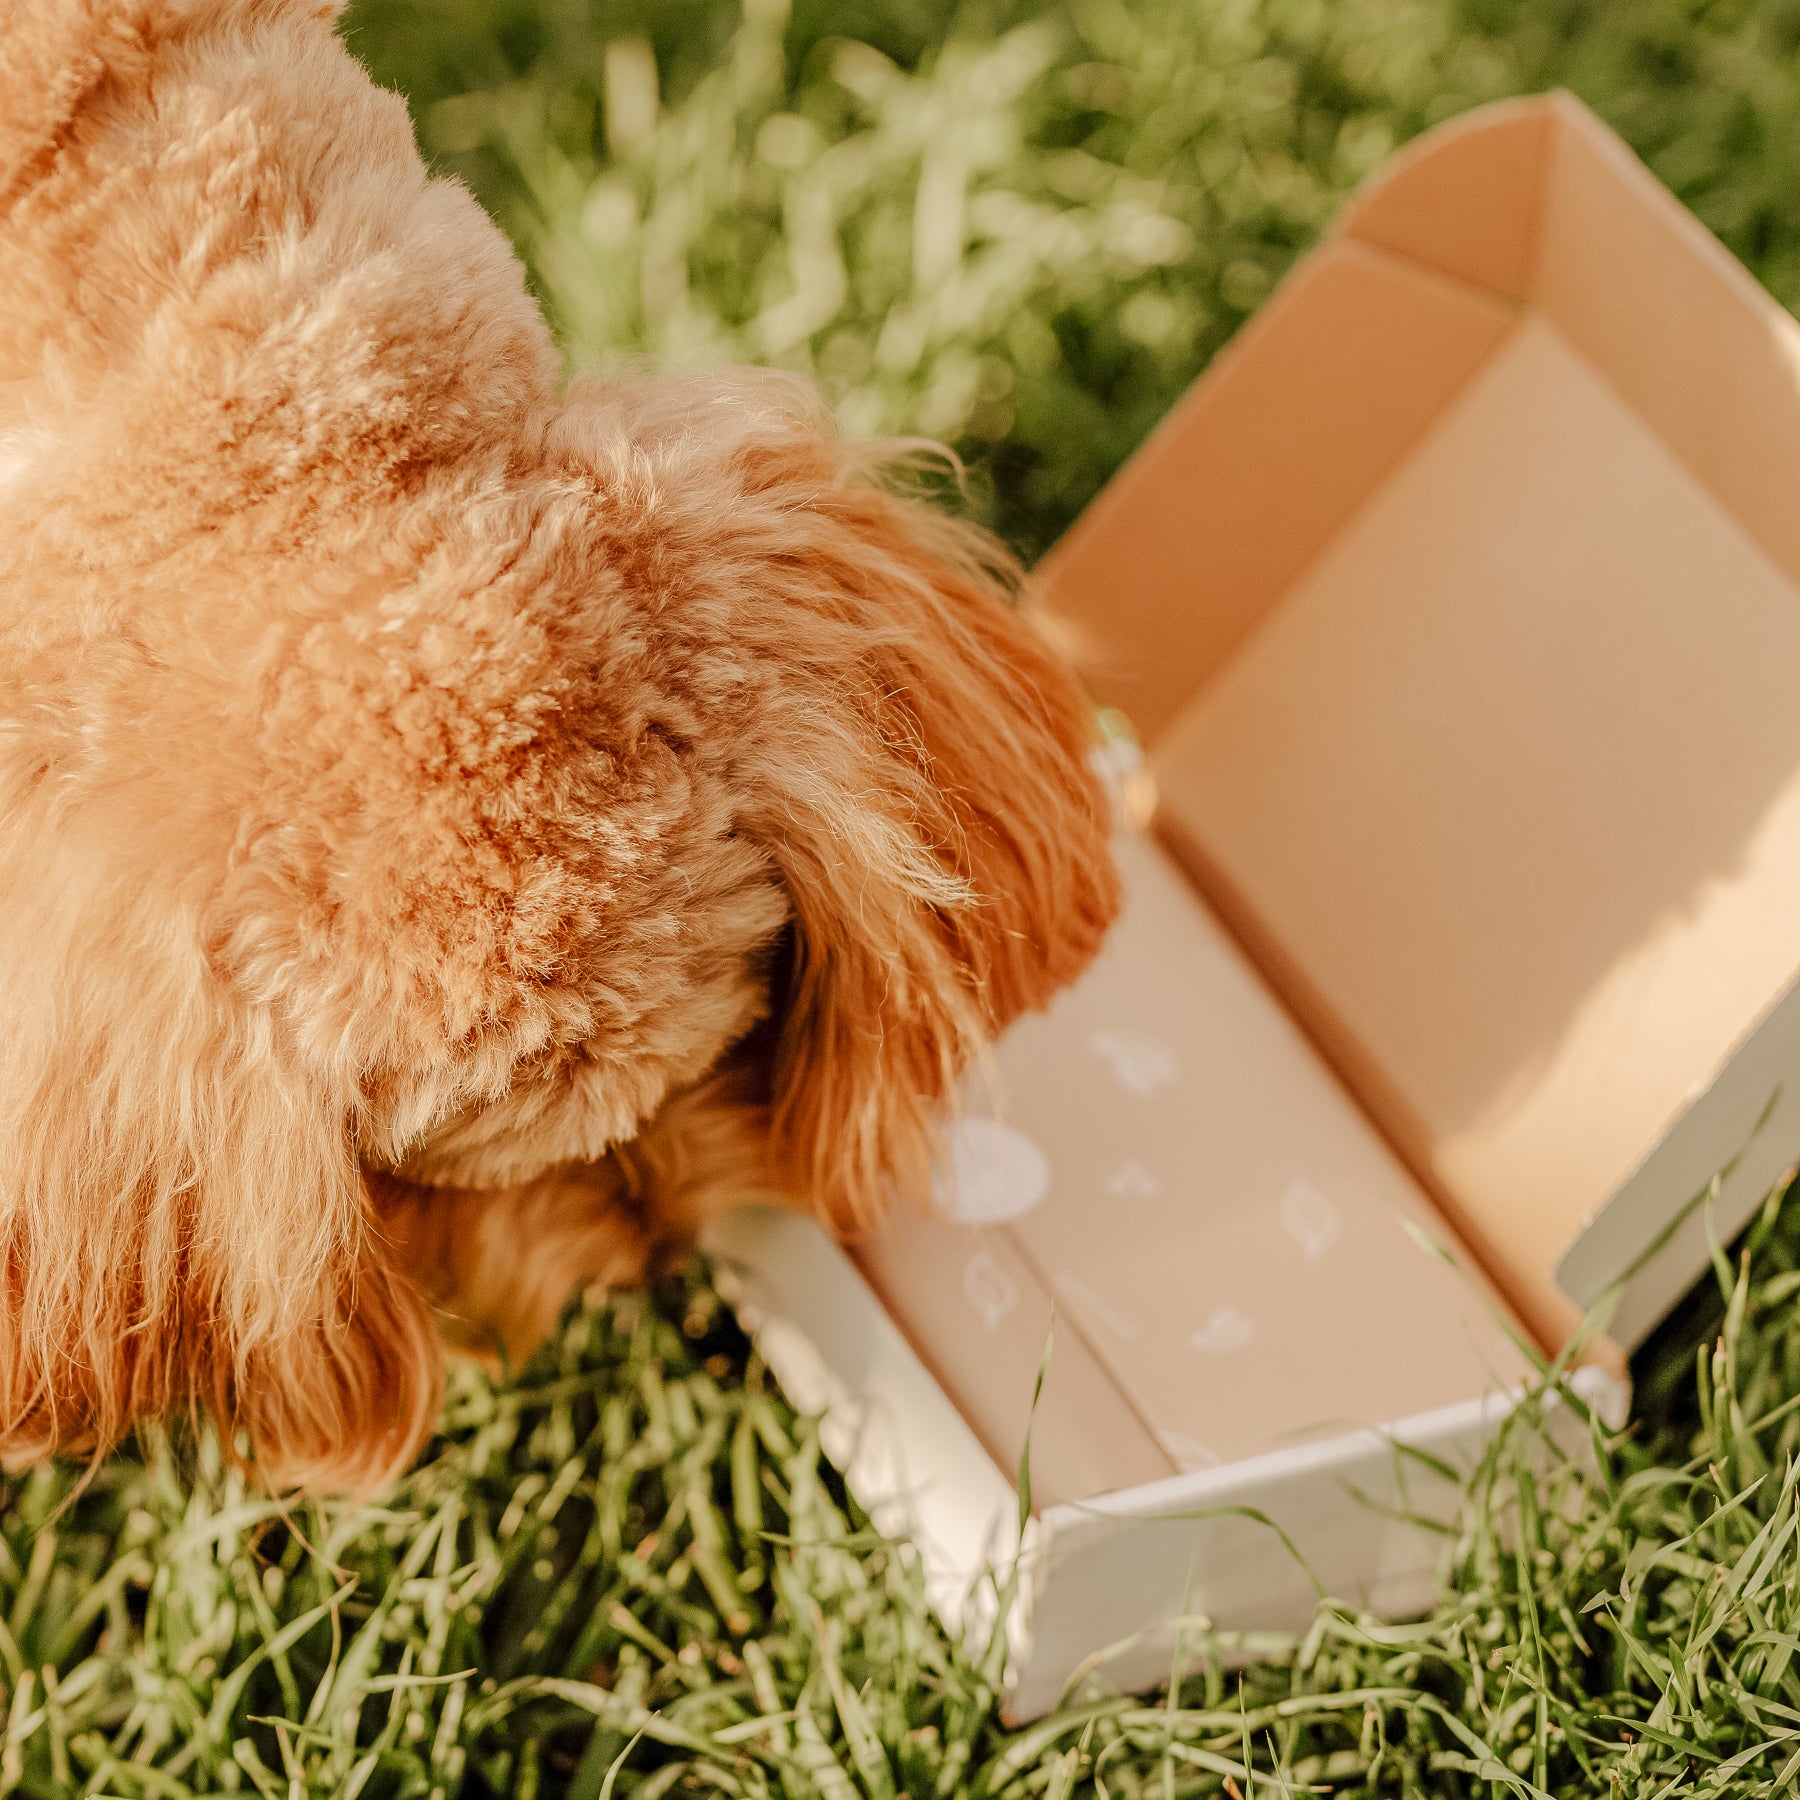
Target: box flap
[
  {"x": 1256, "y": 469},
  {"x": 1465, "y": 199}
]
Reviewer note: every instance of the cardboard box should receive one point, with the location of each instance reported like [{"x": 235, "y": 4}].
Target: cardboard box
[{"x": 1456, "y": 608}]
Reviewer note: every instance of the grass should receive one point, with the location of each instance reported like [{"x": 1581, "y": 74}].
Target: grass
[
  {"x": 629, "y": 1572},
  {"x": 1022, "y": 228}
]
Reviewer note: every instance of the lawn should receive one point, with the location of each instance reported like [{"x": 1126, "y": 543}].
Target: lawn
[{"x": 627, "y": 1571}]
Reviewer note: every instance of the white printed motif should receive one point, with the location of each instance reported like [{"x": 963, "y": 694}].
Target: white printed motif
[
  {"x": 1132, "y": 1181},
  {"x": 1186, "y": 1453},
  {"x": 1308, "y": 1218},
  {"x": 989, "y": 1289},
  {"x": 1140, "y": 1064},
  {"x": 1089, "y": 1302},
  {"x": 995, "y": 1173},
  {"x": 1226, "y": 1329}
]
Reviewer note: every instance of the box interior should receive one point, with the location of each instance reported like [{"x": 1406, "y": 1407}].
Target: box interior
[{"x": 1456, "y": 607}]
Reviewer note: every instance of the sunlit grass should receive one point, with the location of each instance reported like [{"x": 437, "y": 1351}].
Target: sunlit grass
[{"x": 631, "y": 1567}]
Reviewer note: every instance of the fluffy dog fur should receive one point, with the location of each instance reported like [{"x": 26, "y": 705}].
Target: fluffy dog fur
[{"x": 419, "y": 780}]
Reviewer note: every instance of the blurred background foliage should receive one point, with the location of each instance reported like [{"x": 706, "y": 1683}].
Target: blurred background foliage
[{"x": 1022, "y": 226}]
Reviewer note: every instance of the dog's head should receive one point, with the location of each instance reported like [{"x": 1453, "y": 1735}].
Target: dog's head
[
  {"x": 820, "y": 775},
  {"x": 407, "y": 764}
]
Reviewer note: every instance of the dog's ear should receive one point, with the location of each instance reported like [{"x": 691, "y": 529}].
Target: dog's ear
[
  {"x": 915, "y": 761},
  {"x": 182, "y": 1223},
  {"x": 943, "y": 840}
]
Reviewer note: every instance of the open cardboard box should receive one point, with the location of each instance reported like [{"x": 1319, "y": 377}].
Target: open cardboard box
[{"x": 1457, "y": 608}]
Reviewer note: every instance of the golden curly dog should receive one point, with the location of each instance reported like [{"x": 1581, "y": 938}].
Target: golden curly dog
[{"x": 452, "y": 826}]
